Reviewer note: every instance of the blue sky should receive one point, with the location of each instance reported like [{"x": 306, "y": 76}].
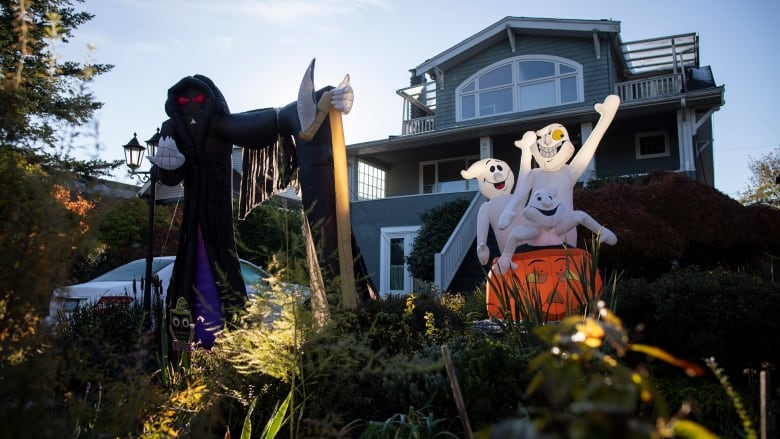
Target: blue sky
[{"x": 257, "y": 50}]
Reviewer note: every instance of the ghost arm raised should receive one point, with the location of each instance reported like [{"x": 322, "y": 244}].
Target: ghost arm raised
[{"x": 607, "y": 109}]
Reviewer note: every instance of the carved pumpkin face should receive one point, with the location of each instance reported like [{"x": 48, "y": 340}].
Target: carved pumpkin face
[{"x": 548, "y": 280}]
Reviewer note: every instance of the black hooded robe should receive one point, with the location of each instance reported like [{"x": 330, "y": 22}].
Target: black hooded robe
[{"x": 207, "y": 270}]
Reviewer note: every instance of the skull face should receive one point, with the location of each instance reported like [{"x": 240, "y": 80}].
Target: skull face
[
  {"x": 494, "y": 177},
  {"x": 553, "y": 147}
]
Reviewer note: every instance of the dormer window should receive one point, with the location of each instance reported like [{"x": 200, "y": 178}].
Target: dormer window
[{"x": 518, "y": 84}]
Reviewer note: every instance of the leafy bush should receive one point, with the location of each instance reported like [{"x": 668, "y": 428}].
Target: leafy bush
[
  {"x": 697, "y": 313},
  {"x": 437, "y": 226},
  {"x": 590, "y": 392},
  {"x": 118, "y": 234},
  {"x": 666, "y": 219},
  {"x": 380, "y": 369},
  {"x": 272, "y": 233}
]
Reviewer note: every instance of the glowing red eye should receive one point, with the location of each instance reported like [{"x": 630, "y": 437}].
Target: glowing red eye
[
  {"x": 199, "y": 99},
  {"x": 182, "y": 100}
]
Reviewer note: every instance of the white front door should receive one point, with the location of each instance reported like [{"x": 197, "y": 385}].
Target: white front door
[{"x": 396, "y": 245}]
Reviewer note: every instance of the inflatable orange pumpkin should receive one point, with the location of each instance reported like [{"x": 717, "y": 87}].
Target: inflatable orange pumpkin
[{"x": 553, "y": 281}]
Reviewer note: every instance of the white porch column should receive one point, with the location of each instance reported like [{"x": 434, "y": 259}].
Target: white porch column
[
  {"x": 685, "y": 133},
  {"x": 590, "y": 171},
  {"x": 485, "y": 147}
]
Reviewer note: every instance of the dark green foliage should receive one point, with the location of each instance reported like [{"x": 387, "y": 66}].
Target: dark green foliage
[
  {"x": 492, "y": 376},
  {"x": 271, "y": 236},
  {"x": 37, "y": 235},
  {"x": 419, "y": 423},
  {"x": 93, "y": 380},
  {"x": 711, "y": 406},
  {"x": 696, "y": 313},
  {"x": 42, "y": 97},
  {"x": 436, "y": 227},
  {"x": 403, "y": 324},
  {"x": 118, "y": 234},
  {"x": 123, "y": 223},
  {"x": 387, "y": 357},
  {"x": 107, "y": 340},
  {"x": 393, "y": 363}
]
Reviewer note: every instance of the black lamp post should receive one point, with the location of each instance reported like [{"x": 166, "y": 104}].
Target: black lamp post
[{"x": 134, "y": 154}]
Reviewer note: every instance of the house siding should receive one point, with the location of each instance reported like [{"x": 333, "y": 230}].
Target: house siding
[
  {"x": 404, "y": 178},
  {"x": 598, "y": 74},
  {"x": 616, "y": 155},
  {"x": 368, "y": 217}
]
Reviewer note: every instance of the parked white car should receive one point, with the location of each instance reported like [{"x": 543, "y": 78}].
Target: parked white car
[{"x": 116, "y": 286}]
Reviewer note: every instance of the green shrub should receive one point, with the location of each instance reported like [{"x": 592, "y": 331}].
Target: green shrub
[
  {"x": 697, "y": 313},
  {"x": 437, "y": 226}
]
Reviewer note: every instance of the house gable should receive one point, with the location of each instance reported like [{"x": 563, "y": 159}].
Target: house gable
[
  {"x": 506, "y": 30},
  {"x": 597, "y": 74}
]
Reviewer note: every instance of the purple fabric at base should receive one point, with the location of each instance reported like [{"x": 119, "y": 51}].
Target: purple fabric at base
[{"x": 208, "y": 309}]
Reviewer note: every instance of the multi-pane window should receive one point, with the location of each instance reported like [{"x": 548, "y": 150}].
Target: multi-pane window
[
  {"x": 444, "y": 175},
  {"x": 651, "y": 144},
  {"x": 371, "y": 182},
  {"x": 520, "y": 84}
]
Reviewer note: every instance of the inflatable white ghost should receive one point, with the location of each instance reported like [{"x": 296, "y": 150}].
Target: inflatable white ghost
[
  {"x": 549, "y": 220},
  {"x": 496, "y": 181},
  {"x": 552, "y": 149}
]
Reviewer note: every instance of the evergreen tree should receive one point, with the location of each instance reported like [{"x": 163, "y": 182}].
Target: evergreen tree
[
  {"x": 437, "y": 226},
  {"x": 45, "y": 105}
]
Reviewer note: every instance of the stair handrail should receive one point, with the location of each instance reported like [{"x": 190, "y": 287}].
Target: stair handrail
[{"x": 449, "y": 259}]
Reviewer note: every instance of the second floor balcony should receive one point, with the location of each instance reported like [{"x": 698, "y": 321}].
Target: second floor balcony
[
  {"x": 419, "y": 122},
  {"x": 650, "y": 88}
]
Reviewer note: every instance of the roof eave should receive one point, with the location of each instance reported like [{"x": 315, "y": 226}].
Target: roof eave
[{"x": 523, "y": 25}]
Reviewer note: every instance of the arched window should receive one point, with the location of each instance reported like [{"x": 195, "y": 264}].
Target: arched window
[{"x": 520, "y": 84}]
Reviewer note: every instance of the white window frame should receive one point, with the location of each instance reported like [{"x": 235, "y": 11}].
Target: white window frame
[
  {"x": 409, "y": 234},
  {"x": 638, "y": 138},
  {"x": 470, "y": 185},
  {"x": 517, "y": 106},
  {"x": 371, "y": 181}
]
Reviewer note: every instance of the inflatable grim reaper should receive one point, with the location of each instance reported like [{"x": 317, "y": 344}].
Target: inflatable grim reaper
[{"x": 195, "y": 149}]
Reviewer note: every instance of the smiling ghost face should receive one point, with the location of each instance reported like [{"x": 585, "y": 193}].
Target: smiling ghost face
[
  {"x": 553, "y": 147},
  {"x": 494, "y": 177}
]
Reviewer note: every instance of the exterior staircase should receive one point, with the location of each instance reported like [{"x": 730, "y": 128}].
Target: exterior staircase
[{"x": 448, "y": 261}]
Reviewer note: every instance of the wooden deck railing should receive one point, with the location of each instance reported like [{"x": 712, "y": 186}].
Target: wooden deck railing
[
  {"x": 649, "y": 88},
  {"x": 418, "y": 125}
]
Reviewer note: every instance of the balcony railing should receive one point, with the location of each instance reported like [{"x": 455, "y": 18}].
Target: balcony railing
[
  {"x": 628, "y": 91},
  {"x": 419, "y": 125},
  {"x": 447, "y": 262},
  {"x": 649, "y": 88}
]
